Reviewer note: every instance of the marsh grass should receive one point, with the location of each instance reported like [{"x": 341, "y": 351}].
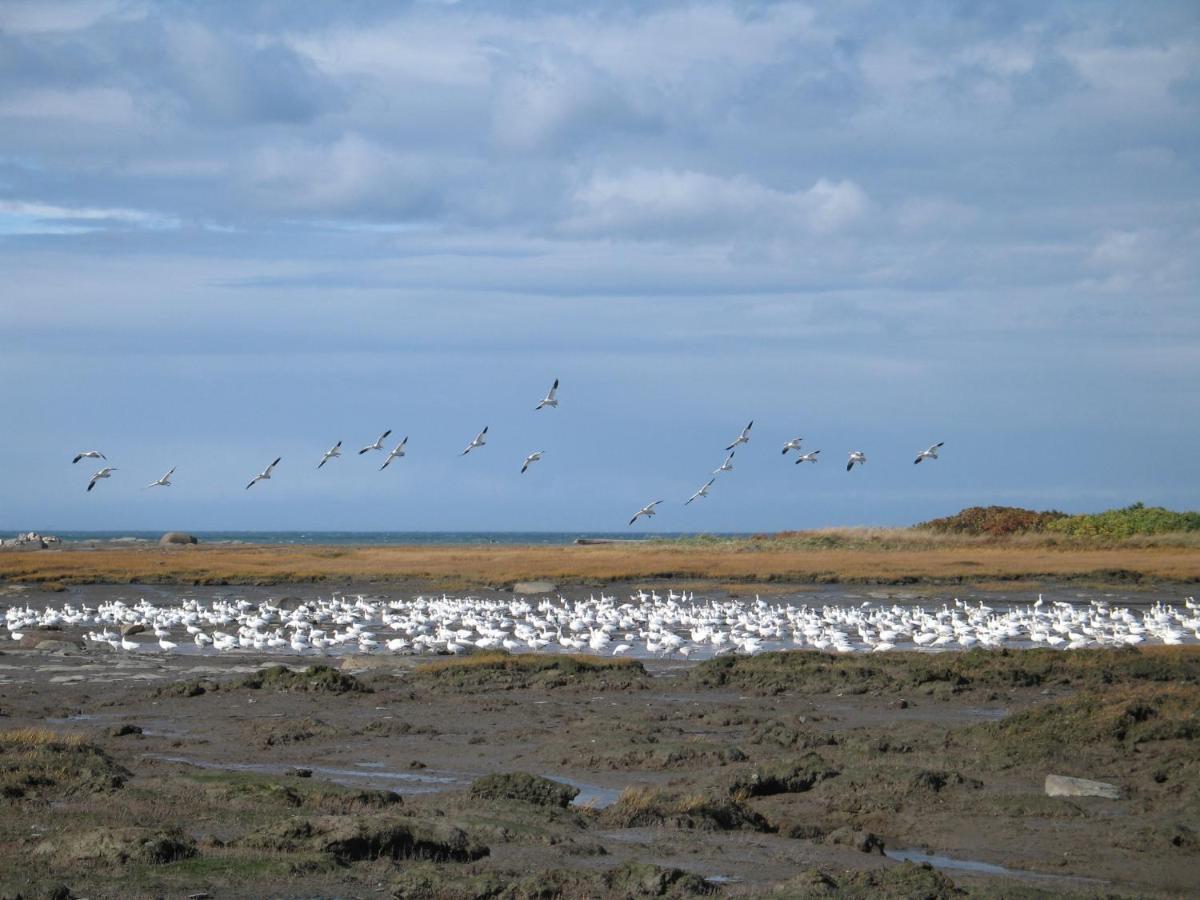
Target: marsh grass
[{"x": 854, "y": 555}]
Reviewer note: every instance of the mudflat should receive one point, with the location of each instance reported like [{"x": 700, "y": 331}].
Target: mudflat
[
  {"x": 887, "y": 558},
  {"x": 783, "y": 775}
]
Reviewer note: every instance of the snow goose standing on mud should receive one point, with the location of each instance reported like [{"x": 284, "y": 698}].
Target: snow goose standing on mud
[{"x": 265, "y": 474}]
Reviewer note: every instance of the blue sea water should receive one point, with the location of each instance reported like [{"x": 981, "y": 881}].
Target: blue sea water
[{"x": 372, "y": 538}]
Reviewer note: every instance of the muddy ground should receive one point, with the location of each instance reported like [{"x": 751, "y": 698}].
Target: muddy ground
[{"x": 781, "y": 775}]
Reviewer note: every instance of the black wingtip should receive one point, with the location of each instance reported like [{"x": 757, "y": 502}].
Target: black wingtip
[
  {"x": 363, "y": 450},
  {"x": 91, "y": 485},
  {"x": 849, "y": 466}
]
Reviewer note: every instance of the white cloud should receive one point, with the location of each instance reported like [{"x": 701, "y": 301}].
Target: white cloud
[
  {"x": 89, "y": 106},
  {"x": 668, "y": 203}
]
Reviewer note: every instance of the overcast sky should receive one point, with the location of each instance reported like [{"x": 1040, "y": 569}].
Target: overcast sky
[{"x": 236, "y": 231}]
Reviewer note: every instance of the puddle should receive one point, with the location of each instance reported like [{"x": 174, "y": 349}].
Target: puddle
[
  {"x": 589, "y": 794},
  {"x": 408, "y": 782},
  {"x": 971, "y": 865}
]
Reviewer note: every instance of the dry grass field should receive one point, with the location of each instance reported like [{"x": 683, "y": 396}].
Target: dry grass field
[{"x": 897, "y": 556}]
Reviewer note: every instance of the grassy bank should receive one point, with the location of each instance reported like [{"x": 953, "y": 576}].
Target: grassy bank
[{"x": 885, "y": 556}]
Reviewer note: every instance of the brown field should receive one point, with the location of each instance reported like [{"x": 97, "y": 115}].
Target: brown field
[{"x": 849, "y": 556}]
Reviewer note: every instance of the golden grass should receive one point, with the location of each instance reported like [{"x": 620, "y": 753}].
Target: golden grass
[
  {"x": 845, "y": 555},
  {"x": 37, "y": 738}
]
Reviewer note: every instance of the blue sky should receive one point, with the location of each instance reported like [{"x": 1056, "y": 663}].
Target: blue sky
[{"x": 236, "y": 231}]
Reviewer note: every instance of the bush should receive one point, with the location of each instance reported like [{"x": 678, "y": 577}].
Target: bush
[
  {"x": 1126, "y": 522},
  {"x": 994, "y": 520}
]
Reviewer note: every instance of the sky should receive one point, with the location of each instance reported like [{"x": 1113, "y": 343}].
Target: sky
[{"x": 236, "y": 231}]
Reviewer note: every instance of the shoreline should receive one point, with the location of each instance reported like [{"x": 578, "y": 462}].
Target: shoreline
[{"x": 768, "y": 563}]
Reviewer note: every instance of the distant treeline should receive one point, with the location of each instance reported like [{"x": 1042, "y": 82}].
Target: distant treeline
[{"x": 1112, "y": 523}]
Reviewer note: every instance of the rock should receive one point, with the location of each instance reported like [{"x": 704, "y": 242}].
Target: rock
[
  {"x": 53, "y": 640},
  {"x": 135, "y": 628},
  {"x": 123, "y": 730},
  {"x": 59, "y": 646},
  {"x": 289, "y": 603},
  {"x": 176, "y": 537},
  {"x": 301, "y": 773},
  {"x": 534, "y": 587},
  {"x": 1066, "y": 786}
]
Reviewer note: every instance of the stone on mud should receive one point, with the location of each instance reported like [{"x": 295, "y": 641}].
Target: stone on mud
[
  {"x": 1066, "y": 786},
  {"x": 177, "y": 537}
]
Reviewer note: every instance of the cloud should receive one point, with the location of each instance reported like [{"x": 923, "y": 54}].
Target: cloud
[
  {"x": 669, "y": 203},
  {"x": 18, "y": 217}
]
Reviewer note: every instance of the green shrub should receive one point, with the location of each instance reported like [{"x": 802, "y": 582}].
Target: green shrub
[
  {"x": 1126, "y": 522},
  {"x": 994, "y": 520}
]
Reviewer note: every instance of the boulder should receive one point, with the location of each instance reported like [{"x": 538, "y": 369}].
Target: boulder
[
  {"x": 176, "y": 537},
  {"x": 534, "y": 587},
  {"x": 1066, "y": 786},
  {"x": 54, "y": 640},
  {"x": 132, "y": 628}
]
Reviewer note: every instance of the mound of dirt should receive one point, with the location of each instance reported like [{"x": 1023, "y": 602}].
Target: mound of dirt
[
  {"x": 42, "y": 765},
  {"x": 118, "y": 846},
  {"x": 350, "y": 838},
  {"x": 523, "y": 787},
  {"x": 505, "y": 671}
]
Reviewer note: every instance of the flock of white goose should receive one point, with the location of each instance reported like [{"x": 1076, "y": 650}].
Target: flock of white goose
[{"x": 676, "y": 625}]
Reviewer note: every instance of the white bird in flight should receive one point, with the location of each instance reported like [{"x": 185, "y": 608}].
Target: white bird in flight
[
  {"x": 477, "y": 442},
  {"x": 726, "y": 466},
  {"x": 265, "y": 474},
  {"x": 856, "y": 456},
  {"x": 647, "y": 510},
  {"x": 550, "y": 399},
  {"x": 335, "y": 450},
  {"x": 394, "y": 453},
  {"x": 743, "y": 438},
  {"x": 532, "y": 457},
  {"x": 378, "y": 445},
  {"x": 703, "y": 492},
  {"x": 89, "y": 454},
  {"x": 807, "y": 457},
  {"x": 165, "y": 481},
  {"x": 931, "y": 453},
  {"x": 103, "y": 473},
  {"x": 793, "y": 444}
]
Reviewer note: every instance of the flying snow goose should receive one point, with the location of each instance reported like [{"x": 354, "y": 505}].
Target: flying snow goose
[
  {"x": 335, "y": 450},
  {"x": 647, "y": 510},
  {"x": 378, "y": 445},
  {"x": 89, "y": 454},
  {"x": 703, "y": 492},
  {"x": 550, "y": 399},
  {"x": 477, "y": 442},
  {"x": 165, "y": 481},
  {"x": 726, "y": 466},
  {"x": 743, "y": 438},
  {"x": 930, "y": 453},
  {"x": 103, "y": 473},
  {"x": 856, "y": 456},
  {"x": 531, "y": 458},
  {"x": 265, "y": 474},
  {"x": 394, "y": 453},
  {"x": 807, "y": 457}
]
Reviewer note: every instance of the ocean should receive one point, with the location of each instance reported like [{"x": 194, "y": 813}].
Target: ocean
[{"x": 376, "y": 538}]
